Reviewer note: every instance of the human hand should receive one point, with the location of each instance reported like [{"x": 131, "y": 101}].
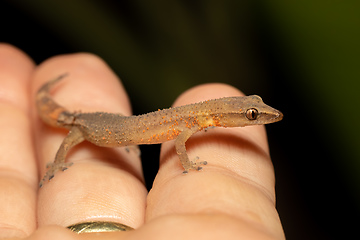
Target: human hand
[{"x": 233, "y": 197}]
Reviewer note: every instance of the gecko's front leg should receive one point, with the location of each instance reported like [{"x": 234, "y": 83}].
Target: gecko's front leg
[
  {"x": 73, "y": 138},
  {"x": 181, "y": 151}
]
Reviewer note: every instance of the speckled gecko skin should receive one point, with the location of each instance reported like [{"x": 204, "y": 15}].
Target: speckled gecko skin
[{"x": 179, "y": 123}]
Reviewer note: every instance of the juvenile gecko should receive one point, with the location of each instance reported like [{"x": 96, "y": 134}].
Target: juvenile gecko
[{"x": 179, "y": 123}]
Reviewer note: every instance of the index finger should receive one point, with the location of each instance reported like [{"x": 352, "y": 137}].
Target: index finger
[{"x": 238, "y": 180}]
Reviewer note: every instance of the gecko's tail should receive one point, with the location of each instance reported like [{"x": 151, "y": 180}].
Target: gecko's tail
[{"x": 47, "y": 108}]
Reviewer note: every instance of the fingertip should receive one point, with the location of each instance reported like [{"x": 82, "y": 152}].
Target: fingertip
[
  {"x": 15, "y": 73},
  {"x": 8, "y": 50},
  {"x": 207, "y": 91},
  {"x": 90, "y": 78}
]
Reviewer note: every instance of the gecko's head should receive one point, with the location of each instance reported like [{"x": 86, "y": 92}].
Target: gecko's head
[
  {"x": 257, "y": 112},
  {"x": 250, "y": 110}
]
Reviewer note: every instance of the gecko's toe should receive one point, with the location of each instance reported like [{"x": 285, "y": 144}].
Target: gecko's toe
[
  {"x": 198, "y": 164},
  {"x": 48, "y": 165},
  {"x": 52, "y": 169},
  {"x": 66, "y": 166},
  {"x": 46, "y": 178}
]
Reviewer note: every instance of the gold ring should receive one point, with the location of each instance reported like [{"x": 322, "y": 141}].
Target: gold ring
[{"x": 91, "y": 227}]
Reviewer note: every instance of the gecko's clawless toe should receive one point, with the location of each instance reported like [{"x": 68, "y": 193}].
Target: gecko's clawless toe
[{"x": 52, "y": 168}]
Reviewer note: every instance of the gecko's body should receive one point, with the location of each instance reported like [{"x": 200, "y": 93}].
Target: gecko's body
[{"x": 179, "y": 123}]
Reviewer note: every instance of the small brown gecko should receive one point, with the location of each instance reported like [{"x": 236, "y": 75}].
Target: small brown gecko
[{"x": 179, "y": 123}]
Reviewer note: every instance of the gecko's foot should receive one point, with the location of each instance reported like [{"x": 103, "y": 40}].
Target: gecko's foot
[
  {"x": 134, "y": 148},
  {"x": 52, "y": 168},
  {"x": 195, "y": 165},
  {"x": 206, "y": 129}
]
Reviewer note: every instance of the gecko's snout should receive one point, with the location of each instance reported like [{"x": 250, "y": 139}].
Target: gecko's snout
[
  {"x": 273, "y": 116},
  {"x": 279, "y": 115}
]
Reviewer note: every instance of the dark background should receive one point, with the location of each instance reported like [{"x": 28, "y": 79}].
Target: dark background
[{"x": 302, "y": 58}]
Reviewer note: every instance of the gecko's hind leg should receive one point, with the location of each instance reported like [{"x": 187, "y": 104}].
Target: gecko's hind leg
[{"x": 73, "y": 138}]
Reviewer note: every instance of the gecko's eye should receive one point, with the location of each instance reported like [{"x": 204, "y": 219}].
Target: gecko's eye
[{"x": 251, "y": 114}]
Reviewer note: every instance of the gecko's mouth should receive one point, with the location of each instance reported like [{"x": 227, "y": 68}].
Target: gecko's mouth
[
  {"x": 278, "y": 116},
  {"x": 275, "y": 116}
]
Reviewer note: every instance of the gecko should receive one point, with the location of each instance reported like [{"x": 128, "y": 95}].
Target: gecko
[{"x": 177, "y": 123}]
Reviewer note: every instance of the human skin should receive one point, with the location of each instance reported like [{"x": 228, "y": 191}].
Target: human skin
[{"x": 233, "y": 197}]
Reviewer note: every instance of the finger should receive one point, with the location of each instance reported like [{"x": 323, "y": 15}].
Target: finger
[
  {"x": 238, "y": 180},
  {"x": 18, "y": 174},
  {"x": 103, "y": 184}
]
